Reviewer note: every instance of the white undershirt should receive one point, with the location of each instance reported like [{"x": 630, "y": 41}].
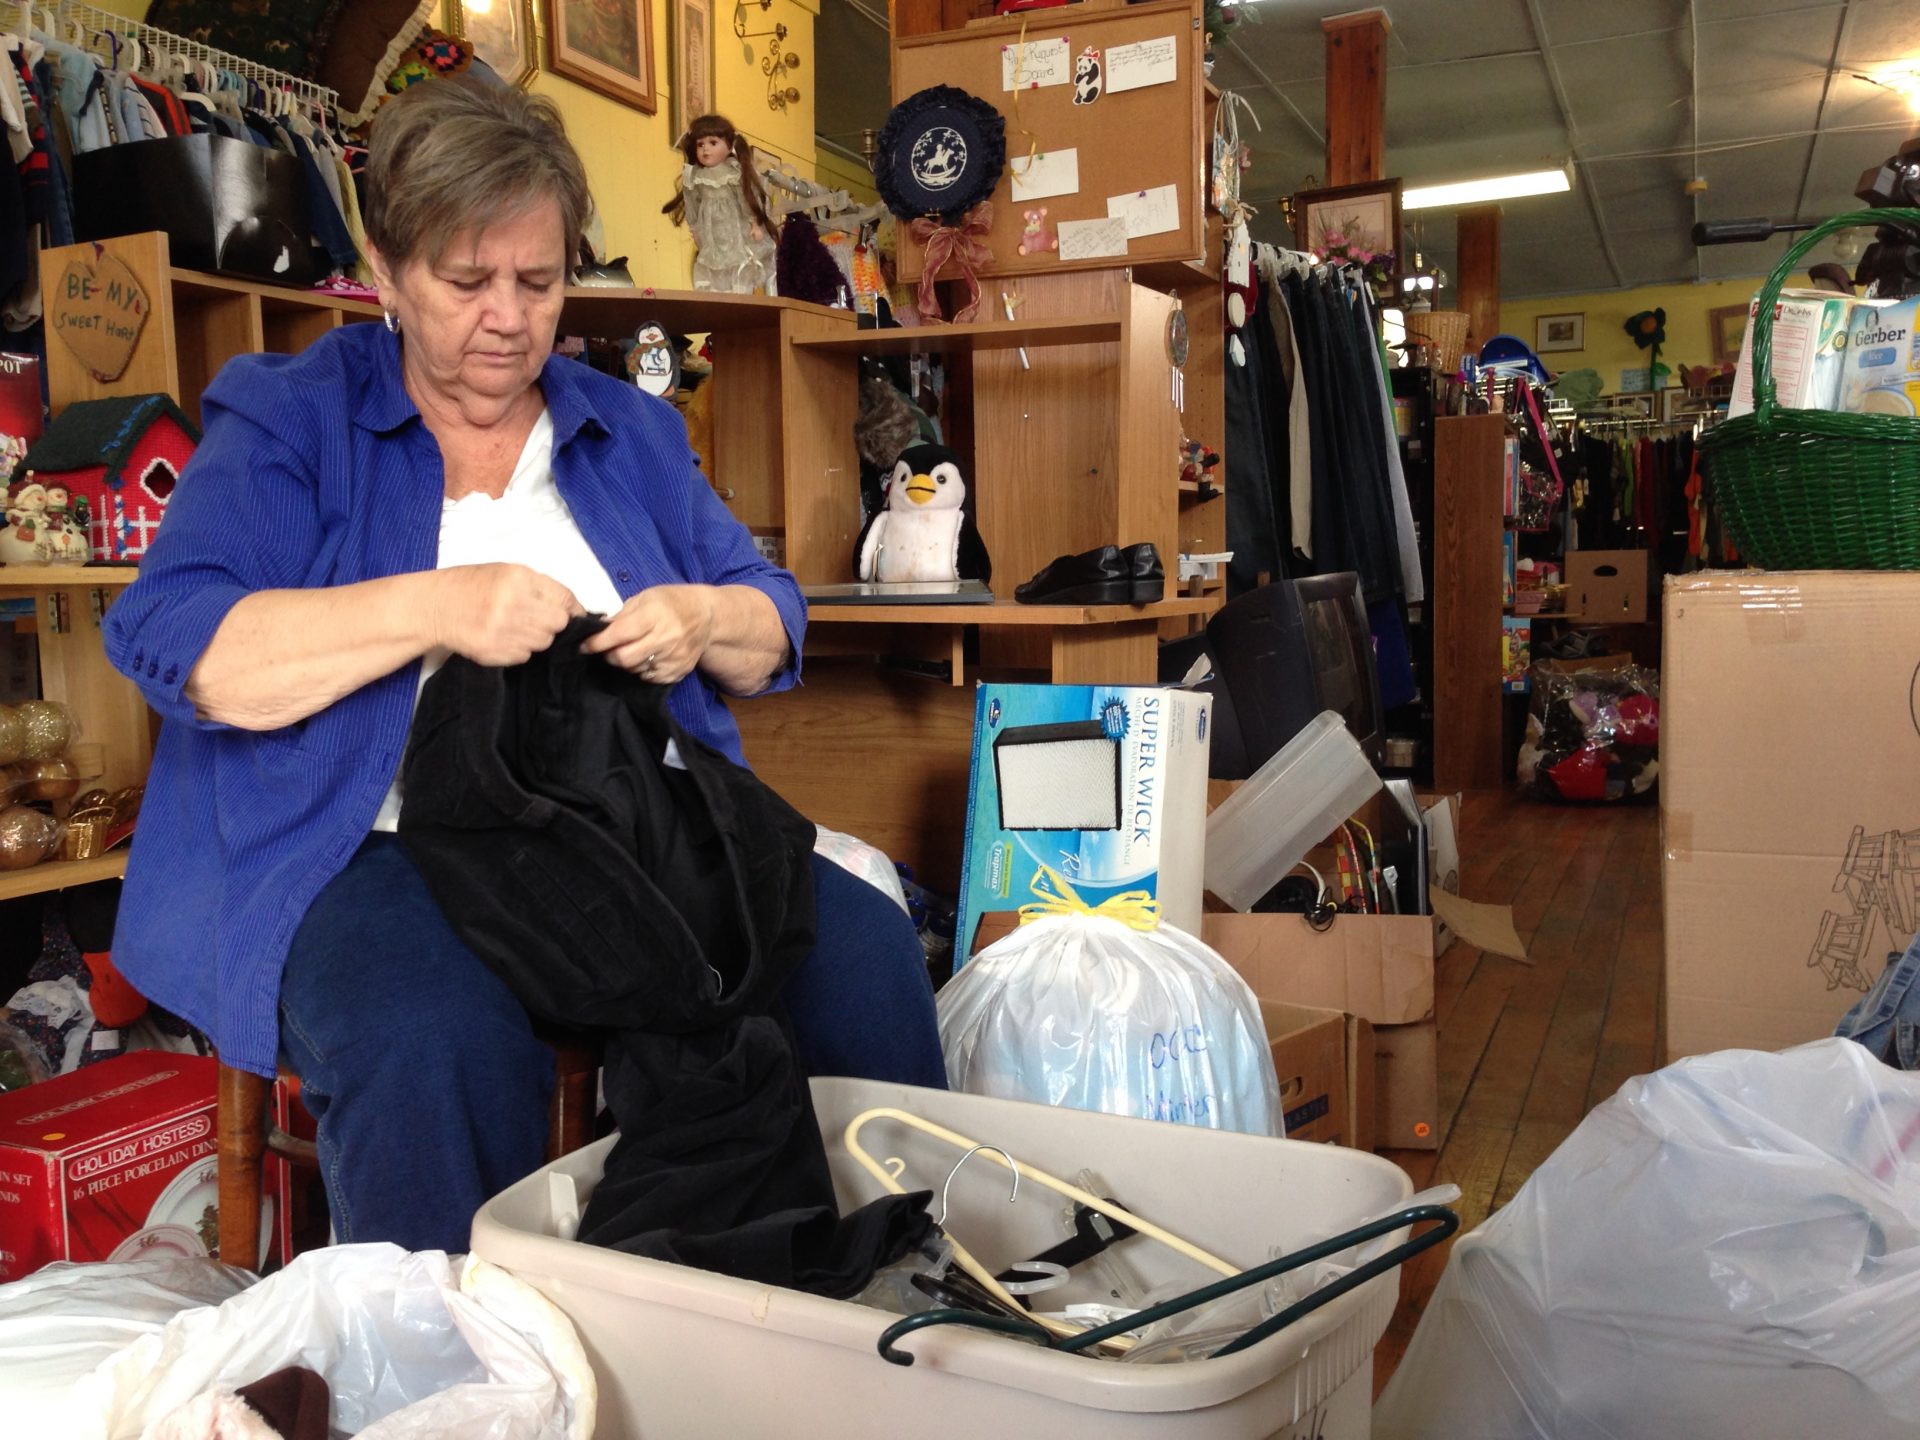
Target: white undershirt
[{"x": 528, "y": 525}]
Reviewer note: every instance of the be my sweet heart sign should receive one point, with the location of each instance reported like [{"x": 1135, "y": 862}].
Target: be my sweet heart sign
[{"x": 98, "y": 310}]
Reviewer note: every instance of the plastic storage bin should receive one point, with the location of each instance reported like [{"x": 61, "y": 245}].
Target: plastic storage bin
[
  {"x": 1293, "y": 802},
  {"x": 682, "y": 1354}
]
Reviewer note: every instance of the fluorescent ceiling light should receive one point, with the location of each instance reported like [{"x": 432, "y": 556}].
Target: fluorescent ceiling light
[{"x": 1497, "y": 187}]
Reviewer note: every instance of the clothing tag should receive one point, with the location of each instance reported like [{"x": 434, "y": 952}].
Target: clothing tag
[
  {"x": 105, "y": 1040},
  {"x": 671, "y": 759}
]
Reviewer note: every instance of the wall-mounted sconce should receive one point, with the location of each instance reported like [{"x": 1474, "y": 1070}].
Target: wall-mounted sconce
[{"x": 778, "y": 60}]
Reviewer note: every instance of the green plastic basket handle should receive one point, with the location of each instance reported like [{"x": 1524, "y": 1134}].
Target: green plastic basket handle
[{"x": 1764, "y": 389}]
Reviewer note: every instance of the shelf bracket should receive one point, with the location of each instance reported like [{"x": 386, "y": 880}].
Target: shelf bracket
[{"x": 57, "y": 622}]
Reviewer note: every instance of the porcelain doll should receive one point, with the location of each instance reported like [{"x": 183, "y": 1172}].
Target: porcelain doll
[{"x": 721, "y": 200}]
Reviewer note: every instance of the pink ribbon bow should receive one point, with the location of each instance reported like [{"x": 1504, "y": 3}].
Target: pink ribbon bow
[{"x": 963, "y": 244}]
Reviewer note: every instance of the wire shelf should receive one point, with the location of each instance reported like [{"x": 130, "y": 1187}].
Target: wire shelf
[{"x": 96, "y": 21}]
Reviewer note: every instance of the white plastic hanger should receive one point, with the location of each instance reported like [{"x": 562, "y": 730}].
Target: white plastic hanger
[{"x": 888, "y": 1174}]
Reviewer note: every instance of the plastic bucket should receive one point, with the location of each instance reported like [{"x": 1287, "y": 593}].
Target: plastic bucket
[{"x": 682, "y": 1354}]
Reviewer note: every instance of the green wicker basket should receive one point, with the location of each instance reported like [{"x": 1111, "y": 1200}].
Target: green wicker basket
[{"x": 1812, "y": 489}]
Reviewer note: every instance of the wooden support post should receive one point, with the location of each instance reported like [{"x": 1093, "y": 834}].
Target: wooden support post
[
  {"x": 1356, "y": 97},
  {"x": 1476, "y": 268}
]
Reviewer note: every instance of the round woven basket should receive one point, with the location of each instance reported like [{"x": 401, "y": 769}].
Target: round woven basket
[
  {"x": 1814, "y": 489},
  {"x": 1444, "y": 332}
]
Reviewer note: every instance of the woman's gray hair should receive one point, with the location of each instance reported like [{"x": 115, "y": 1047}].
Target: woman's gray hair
[{"x": 457, "y": 154}]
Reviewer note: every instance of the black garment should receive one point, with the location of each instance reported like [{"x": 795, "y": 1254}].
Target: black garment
[
  {"x": 611, "y": 888},
  {"x": 1252, "y": 524}
]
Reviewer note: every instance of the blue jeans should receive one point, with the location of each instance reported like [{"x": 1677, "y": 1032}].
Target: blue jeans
[
  {"x": 1887, "y": 1018},
  {"x": 427, "y": 1082}
]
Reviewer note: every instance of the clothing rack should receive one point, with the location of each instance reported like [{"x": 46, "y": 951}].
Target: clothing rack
[{"x": 150, "y": 37}]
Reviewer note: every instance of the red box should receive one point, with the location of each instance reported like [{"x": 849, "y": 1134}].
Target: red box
[{"x": 116, "y": 1161}]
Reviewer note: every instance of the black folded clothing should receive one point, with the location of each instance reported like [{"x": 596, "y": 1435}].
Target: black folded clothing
[{"x": 1106, "y": 576}]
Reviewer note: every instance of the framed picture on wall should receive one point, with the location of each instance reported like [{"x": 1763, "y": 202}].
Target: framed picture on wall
[
  {"x": 1727, "y": 325},
  {"x": 1349, "y": 222},
  {"x": 605, "y": 45},
  {"x": 689, "y": 62},
  {"x": 1559, "y": 332},
  {"x": 501, "y": 32}
]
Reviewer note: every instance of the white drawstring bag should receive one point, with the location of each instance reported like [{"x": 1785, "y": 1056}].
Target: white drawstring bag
[{"x": 1124, "y": 1016}]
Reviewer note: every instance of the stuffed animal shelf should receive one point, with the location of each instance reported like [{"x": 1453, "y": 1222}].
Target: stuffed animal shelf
[{"x": 925, "y": 530}]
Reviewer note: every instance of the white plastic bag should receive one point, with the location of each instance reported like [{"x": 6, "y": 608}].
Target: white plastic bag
[
  {"x": 413, "y": 1347},
  {"x": 857, "y": 857},
  {"x": 1084, "y": 1011},
  {"x": 64, "y": 1319},
  {"x": 1727, "y": 1248}
]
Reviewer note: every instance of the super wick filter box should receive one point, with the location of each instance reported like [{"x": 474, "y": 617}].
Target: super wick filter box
[
  {"x": 112, "y": 1162},
  {"x": 1103, "y": 785}
]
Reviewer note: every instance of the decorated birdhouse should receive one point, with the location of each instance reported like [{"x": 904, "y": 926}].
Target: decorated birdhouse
[{"x": 122, "y": 456}]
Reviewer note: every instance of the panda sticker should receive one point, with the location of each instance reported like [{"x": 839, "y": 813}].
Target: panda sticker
[{"x": 1086, "y": 77}]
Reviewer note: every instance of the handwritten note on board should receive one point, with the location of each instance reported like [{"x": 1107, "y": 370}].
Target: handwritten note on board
[
  {"x": 1147, "y": 212},
  {"x": 1092, "y": 239},
  {"x": 1149, "y": 62},
  {"x": 1043, "y": 63},
  {"x": 1057, "y": 172}
]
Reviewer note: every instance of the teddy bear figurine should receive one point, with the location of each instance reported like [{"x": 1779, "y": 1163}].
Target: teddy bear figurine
[{"x": 1037, "y": 239}]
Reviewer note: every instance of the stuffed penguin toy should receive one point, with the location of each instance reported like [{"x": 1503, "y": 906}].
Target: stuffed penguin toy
[{"x": 925, "y": 530}]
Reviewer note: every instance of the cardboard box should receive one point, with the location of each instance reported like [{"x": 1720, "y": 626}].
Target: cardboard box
[
  {"x": 1363, "y": 1087},
  {"x": 1376, "y": 968},
  {"x": 1407, "y": 1111},
  {"x": 1104, "y": 785},
  {"x": 1608, "y": 585},
  {"x": 1790, "y": 800},
  {"x": 1325, "y": 1061},
  {"x": 1310, "y": 1057},
  {"x": 113, "y": 1162}
]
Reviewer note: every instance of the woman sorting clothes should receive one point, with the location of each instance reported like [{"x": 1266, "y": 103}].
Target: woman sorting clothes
[{"x": 438, "y": 486}]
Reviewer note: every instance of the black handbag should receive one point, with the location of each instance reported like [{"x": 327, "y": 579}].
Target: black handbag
[{"x": 225, "y": 204}]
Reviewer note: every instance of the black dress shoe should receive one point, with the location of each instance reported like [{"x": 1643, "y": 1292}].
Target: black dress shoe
[
  {"x": 1094, "y": 577},
  {"x": 1147, "y": 580}
]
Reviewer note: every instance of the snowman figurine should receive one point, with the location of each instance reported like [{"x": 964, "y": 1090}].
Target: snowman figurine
[{"x": 925, "y": 530}]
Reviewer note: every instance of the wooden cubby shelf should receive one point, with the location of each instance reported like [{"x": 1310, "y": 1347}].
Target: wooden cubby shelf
[
  {"x": 58, "y": 874},
  {"x": 65, "y": 577},
  {"x": 960, "y": 339},
  {"x": 1008, "y": 612}
]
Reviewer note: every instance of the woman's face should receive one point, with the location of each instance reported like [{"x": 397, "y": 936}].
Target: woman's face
[
  {"x": 478, "y": 323},
  {"x": 711, "y": 150}
]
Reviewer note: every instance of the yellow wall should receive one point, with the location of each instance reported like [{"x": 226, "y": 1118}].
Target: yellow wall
[
  {"x": 630, "y": 156},
  {"x": 1609, "y": 348},
  {"x": 844, "y": 174}
]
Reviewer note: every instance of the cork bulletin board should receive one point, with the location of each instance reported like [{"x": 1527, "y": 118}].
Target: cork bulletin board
[{"x": 1133, "y": 140}]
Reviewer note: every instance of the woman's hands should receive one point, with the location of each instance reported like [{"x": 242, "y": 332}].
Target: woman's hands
[
  {"x": 660, "y": 634},
  {"x": 498, "y": 614}
]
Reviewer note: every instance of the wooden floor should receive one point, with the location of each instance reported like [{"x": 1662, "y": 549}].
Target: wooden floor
[{"x": 1527, "y": 1050}]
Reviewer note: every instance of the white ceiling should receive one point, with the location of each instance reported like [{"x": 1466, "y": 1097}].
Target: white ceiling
[{"x": 1482, "y": 87}]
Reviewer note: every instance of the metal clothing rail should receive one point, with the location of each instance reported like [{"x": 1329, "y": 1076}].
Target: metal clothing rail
[{"x": 93, "y": 19}]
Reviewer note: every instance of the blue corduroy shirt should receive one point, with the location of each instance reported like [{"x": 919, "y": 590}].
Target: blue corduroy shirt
[{"x": 315, "y": 471}]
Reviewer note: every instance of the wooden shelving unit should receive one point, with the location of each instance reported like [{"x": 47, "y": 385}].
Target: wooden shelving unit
[
  {"x": 966, "y": 339},
  {"x": 59, "y": 874}
]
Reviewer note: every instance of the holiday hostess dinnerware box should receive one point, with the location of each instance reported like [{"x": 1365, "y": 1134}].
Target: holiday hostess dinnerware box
[
  {"x": 113, "y": 1162},
  {"x": 1789, "y": 799},
  {"x": 1101, "y": 787}
]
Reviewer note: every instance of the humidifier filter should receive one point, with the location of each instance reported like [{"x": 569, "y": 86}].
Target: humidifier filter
[{"x": 1064, "y": 776}]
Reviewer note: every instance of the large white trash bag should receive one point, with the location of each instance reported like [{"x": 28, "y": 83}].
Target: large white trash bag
[
  {"x": 1726, "y": 1249},
  {"x": 415, "y": 1346},
  {"x": 1085, "y": 1011}
]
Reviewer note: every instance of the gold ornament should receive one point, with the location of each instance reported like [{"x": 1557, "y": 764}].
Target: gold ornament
[
  {"x": 27, "y": 836},
  {"x": 47, "y": 729},
  {"x": 49, "y": 779},
  {"x": 13, "y": 735}
]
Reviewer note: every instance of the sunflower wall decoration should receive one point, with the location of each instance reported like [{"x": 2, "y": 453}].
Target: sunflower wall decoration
[{"x": 1649, "y": 332}]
